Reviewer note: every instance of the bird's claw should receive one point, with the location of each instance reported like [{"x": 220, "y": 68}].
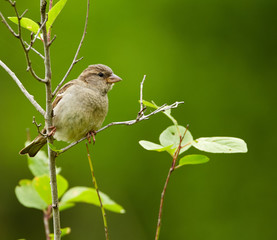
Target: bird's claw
[
  {"x": 53, "y": 130},
  {"x": 90, "y": 135}
]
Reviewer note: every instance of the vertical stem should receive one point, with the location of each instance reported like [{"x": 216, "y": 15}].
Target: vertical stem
[
  {"x": 98, "y": 194},
  {"x": 163, "y": 194},
  {"x": 49, "y": 31},
  {"x": 172, "y": 168},
  {"x": 49, "y": 123},
  {"x": 46, "y": 217}
]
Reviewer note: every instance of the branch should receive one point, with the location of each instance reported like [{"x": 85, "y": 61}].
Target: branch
[
  {"x": 19, "y": 36},
  {"x": 98, "y": 194},
  {"x": 8, "y": 26},
  {"x": 140, "y": 117},
  {"x": 46, "y": 217},
  {"x": 75, "y": 60},
  {"x": 36, "y": 51},
  {"x": 22, "y": 88},
  {"x": 49, "y": 124}
]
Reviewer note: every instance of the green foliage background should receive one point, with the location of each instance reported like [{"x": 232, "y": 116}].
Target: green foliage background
[{"x": 218, "y": 56}]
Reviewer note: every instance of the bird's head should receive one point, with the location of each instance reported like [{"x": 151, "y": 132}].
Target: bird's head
[{"x": 99, "y": 76}]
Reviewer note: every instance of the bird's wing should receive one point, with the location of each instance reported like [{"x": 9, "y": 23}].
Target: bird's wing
[{"x": 61, "y": 93}]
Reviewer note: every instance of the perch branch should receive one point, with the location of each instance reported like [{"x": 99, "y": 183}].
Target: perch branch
[
  {"x": 22, "y": 88},
  {"x": 140, "y": 117},
  {"x": 75, "y": 60},
  {"x": 98, "y": 194}
]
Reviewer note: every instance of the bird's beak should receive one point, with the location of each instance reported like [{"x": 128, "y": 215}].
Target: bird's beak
[{"x": 113, "y": 79}]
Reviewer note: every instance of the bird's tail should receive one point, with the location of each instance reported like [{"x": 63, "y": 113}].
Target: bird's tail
[{"x": 33, "y": 148}]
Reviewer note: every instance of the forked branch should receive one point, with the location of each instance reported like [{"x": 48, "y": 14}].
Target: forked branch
[{"x": 19, "y": 36}]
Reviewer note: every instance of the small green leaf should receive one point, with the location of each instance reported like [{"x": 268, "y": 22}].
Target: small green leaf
[
  {"x": 171, "y": 137},
  {"x": 28, "y": 196},
  {"x": 64, "y": 231},
  {"x": 153, "y": 146},
  {"x": 26, "y": 23},
  {"x": 166, "y": 112},
  {"x": 89, "y": 195},
  {"x": 42, "y": 186},
  {"x": 39, "y": 164},
  {"x": 221, "y": 145},
  {"x": 149, "y": 104},
  {"x": 193, "y": 159},
  {"x": 54, "y": 12}
]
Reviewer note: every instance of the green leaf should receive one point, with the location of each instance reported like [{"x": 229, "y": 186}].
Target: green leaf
[
  {"x": 149, "y": 104},
  {"x": 54, "y": 12},
  {"x": 153, "y": 146},
  {"x": 26, "y": 23},
  {"x": 89, "y": 195},
  {"x": 28, "y": 196},
  {"x": 171, "y": 137},
  {"x": 42, "y": 186},
  {"x": 193, "y": 159},
  {"x": 64, "y": 231},
  {"x": 166, "y": 112},
  {"x": 39, "y": 164},
  {"x": 65, "y": 205},
  {"x": 221, "y": 145}
]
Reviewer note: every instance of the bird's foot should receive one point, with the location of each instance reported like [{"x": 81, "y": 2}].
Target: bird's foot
[
  {"x": 53, "y": 130},
  {"x": 90, "y": 135}
]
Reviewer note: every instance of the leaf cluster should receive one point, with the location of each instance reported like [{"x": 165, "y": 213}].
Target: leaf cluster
[
  {"x": 32, "y": 26},
  {"x": 170, "y": 141},
  {"x": 36, "y": 192}
]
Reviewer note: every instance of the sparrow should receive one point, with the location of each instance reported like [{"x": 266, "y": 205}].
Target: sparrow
[{"x": 79, "y": 107}]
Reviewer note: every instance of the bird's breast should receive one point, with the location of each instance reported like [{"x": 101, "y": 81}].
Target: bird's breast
[{"x": 79, "y": 111}]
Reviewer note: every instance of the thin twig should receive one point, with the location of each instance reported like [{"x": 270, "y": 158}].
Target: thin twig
[
  {"x": 51, "y": 41},
  {"x": 8, "y": 26},
  {"x": 76, "y": 54},
  {"x": 142, "y": 107},
  {"x": 172, "y": 168},
  {"x": 49, "y": 30},
  {"x": 98, "y": 194},
  {"x": 38, "y": 126},
  {"x": 140, "y": 117},
  {"x": 37, "y": 34},
  {"x": 131, "y": 122},
  {"x": 22, "y": 88},
  {"x": 36, "y": 51},
  {"x": 46, "y": 217},
  {"x": 19, "y": 36}
]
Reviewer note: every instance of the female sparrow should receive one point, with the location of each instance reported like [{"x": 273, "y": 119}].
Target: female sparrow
[{"x": 79, "y": 108}]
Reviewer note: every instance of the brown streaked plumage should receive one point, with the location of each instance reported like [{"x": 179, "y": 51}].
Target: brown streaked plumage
[{"x": 80, "y": 107}]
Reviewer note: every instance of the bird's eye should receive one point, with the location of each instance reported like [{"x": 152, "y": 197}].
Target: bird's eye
[{"x": 101, "y": 74}]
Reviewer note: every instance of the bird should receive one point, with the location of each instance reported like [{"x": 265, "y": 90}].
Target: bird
[{"x": 79, "y": 108}]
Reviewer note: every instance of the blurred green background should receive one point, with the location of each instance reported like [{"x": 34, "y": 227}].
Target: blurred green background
[{"x": 219, "y": 57}]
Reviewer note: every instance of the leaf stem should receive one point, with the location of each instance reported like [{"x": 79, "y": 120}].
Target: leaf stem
[{"x": 98, "y": 194}]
